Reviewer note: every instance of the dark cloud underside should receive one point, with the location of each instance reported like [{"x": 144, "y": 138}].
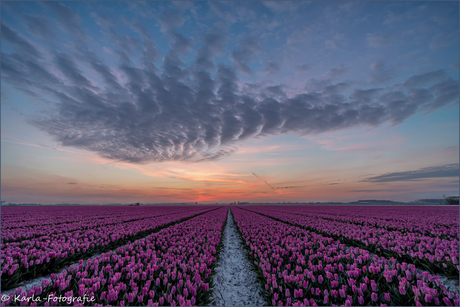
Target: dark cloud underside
[{"x": 448, "y": 170}]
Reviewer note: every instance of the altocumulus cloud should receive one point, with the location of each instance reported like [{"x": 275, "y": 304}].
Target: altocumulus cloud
[
  {"x": 142, "y": 106},
  {"x": 447, "y": 170}
]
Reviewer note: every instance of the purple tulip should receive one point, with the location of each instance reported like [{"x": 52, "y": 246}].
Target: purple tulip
[
  {"x": 387, "y": 296},
  {"x": 361, "y": 300},
  {"x": 446, "y": 301},
  {"x": 402, "y": 290},
  {"x": 408, "y": 275},
  {"x": 374, "y": 297},
  {"x": 373, "y": 285}
]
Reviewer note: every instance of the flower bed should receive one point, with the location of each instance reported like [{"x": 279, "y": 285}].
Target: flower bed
[
  {"x": 39, "y": 256},
  {"x": 430, "y": 253},
  {"x": 170, "y": 267},
  {"x": 300, "y": 267}
]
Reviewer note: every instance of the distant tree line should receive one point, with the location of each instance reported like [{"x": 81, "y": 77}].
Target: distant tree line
[{"x": 451, "y": 200}]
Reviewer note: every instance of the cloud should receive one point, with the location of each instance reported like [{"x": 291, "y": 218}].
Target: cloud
[
  {"x": 217, "y": 155},
  {"x": 442, "y": 39},
  {"x": 39, "y": 27},
  {"x": 299, "y": 36},
  {"x": 249, "y": 46},
  {"x": 380, "y": 73},
  {"x": 212, "y": 45},
  {"x": 303, "y": 68},
  {"x": 284, "y": 6},
  {"x": 392, "y": 18},
  {"x": 377, "y": 191},
  {"x": 171, "y": 21},
  {"x": 67, "y": 18},
  {"x": 377, "y": 40},
  {"x": 336, "y": 71},
  {"x": 272, "y": 67},
  {"x": 126, "y": 44},
  {"x": 180, "y": 43},
  {"x": 20, "y": 44},
  {"x": 425, "y": 79},
  {"x": 447, "y": 170},
  {"x": 330, "y": 44},
  {"x": 196, "y": 110},
  {"x": 70, "y": 70}
]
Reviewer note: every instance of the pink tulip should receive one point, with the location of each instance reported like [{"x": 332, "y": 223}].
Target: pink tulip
[
  {"x": 446, "y": 301},
  {"x": 402, "y": 290},
  {"x": 387, "y": 296},
  {"x": 408, "y": 275},
  {"x": 374, "y": 297}
]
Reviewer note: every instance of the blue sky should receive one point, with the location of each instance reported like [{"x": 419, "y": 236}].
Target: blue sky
[{"x": 183, "y": 101}]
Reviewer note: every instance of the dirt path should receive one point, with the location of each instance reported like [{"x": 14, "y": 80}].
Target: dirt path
[{"x": 234, "y": 283}]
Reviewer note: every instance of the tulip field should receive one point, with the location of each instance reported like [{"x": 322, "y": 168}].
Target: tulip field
[
  {"x": 32, "y": 246},
  {"x": 417, "y": 237},
  {"x": 166, "y": 256}
]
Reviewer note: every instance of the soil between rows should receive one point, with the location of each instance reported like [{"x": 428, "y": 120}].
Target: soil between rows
[{"x": 234, "y": 282}]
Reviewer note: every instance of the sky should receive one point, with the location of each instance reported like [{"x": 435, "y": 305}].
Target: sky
[{"x": 169, "y": 102}]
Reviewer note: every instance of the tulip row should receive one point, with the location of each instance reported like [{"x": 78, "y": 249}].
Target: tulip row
[
  {"x": 433, "y": 254},
  {"x": 440, "y": 221},
  {"x": 18, "y": 217},
  {"x": 82, "y": 218},
  {"x": 301, "y": 268},
  {"x": 168, "y": 268},
  {"x": 46, "y": 254}
]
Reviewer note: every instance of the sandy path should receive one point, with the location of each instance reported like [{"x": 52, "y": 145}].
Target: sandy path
[{"x": 234, "y": 283}]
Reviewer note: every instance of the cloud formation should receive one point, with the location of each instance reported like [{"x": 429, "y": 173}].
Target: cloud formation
[
  {"x": 182, "y": 110},
  {"x": 143, "y": 105},
  {"x": 447, "y": 170}
]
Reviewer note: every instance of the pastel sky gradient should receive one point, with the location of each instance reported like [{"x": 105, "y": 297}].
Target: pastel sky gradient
[{"x": 165, "y": 102}]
